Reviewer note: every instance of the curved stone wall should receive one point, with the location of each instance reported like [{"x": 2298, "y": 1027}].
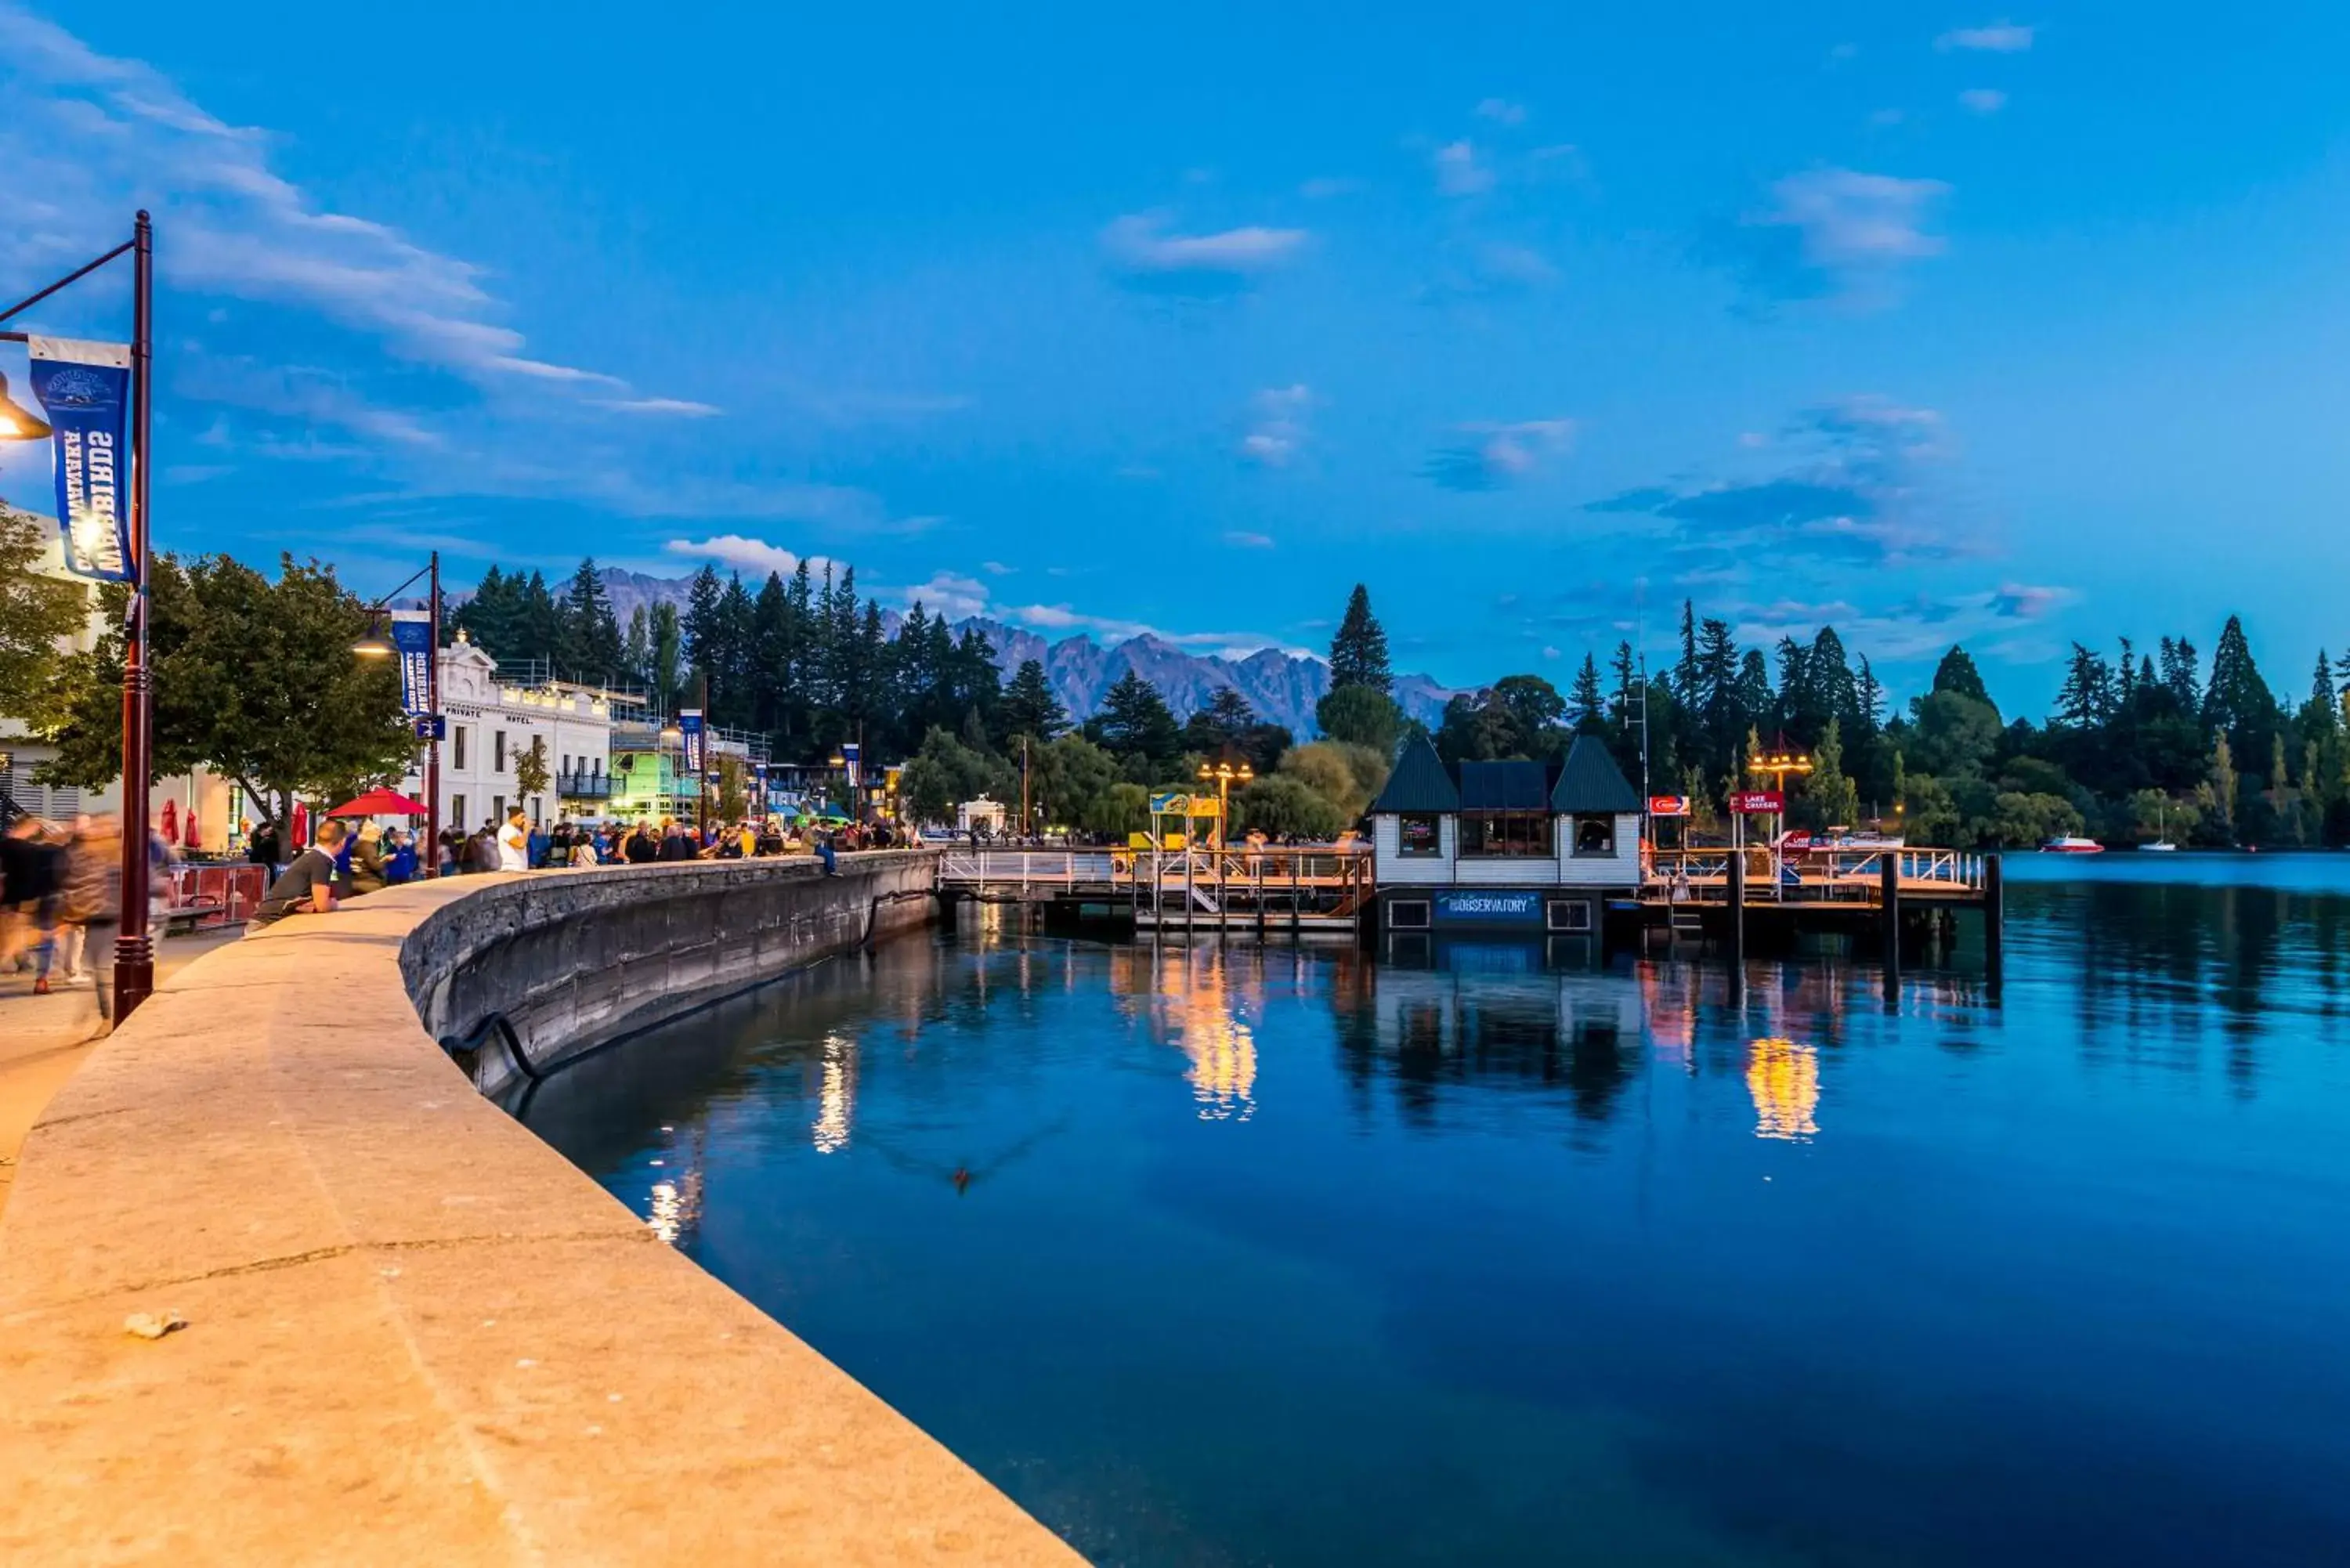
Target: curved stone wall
[{"x": 414, "y": 1333}]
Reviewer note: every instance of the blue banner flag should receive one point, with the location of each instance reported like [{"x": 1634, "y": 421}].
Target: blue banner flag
[
  {"x": 413, "y": 639},
  {"x": 85, "y": 389},
  {"x": 689, "y": 724}
]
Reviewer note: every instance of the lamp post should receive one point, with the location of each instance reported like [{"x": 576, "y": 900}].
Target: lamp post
[
  {"x": 1221, "y": 776},
  {"x": 134, "y": 946},
  {"x": 375, "y": 645},
  {"x": 1779, "y": 763}
]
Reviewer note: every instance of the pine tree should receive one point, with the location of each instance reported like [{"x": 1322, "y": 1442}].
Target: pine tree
[
  {"x": 488, "y": 619},
  {"x": 2086, "y": 701},
  {"x": 668, "y": 655},
  {"x": 1833, "y": 687},
  {"x": 2179, "y": 674},
  {"x": 1956, "y": 673},
  {"x": 1686, "y": 673},
  {"x": 537, "y": 624},
  {"x": 704, "y": 626},
  {"x": 1871, "y": 699},
  {"x": 1217, "y": 730},
  {"x": 2237, "y": 699},
  {"x": 1834, "y": 797},
  {"x": 637, "y": 647},
  {"x": 1359, "y": 653},
  {"x": 1588, "y": 701},
  {"x": 1134, "y": 722},
  {"x": 1029, "y": 707},
  {"x": 587, "y": 635},
  {"x": 2321, "y": 715}
]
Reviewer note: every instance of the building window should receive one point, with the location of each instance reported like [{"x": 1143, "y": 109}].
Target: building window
[
  {"x": 1505, "y": 834},
  {"x": 457, "y": 806},
  {"x": 1571, "y": 915},
  {"x": 1408, "y": 914},
  {"x": 498, "y": 752},
  {"x": 457, "y": 752},
  {"x": 1595, "y": 835},
  {"x": 1420, "y": 835},
  {"x": 498, "y": 810}
]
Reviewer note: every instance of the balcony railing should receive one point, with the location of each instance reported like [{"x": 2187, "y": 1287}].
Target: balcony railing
[{"x": 584, "y": 786}]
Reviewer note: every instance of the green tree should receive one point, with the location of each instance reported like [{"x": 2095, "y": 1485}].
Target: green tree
[
  {"x": 2237, "y": 699},
  {"x": 531, "y": 774},
  {"x": 668, "y": 655},
  {"x": 1362, "y": 716},
  {"x": 1358, "y": 652},
  {"x": 587, "y": 635},
  {"x": 1348, "y": 777},
  {"x": 1957, "y": 672},
  {"x": 253, "y": 678},
  {"x": 1831, "y": 798},
  {"x": 1589, "y": 701},
  {"x": 1065, "y": 777},
  {"x": 1216, "y": 730},
  {"x": 946, "y": 773},
  {"x": 2223, "y": 784},
  {"x": 1029, "y": 707},
  {"x": 38, "y": 614},
  {"x": 1283, "y": 804},
  {"x": 1136, "y": 723}
]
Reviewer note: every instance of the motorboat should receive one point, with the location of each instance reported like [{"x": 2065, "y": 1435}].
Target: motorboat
[{"x": 2070, "y": 843}]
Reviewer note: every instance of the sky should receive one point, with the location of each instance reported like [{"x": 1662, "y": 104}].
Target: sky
[{"x": 1933, "y": 322}]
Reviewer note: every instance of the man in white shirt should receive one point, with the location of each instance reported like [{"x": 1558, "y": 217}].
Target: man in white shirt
[{"x": 514, "y": 842}]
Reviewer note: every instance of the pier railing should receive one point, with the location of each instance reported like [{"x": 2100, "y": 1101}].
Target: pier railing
[{"x": 1855, "y": 876}]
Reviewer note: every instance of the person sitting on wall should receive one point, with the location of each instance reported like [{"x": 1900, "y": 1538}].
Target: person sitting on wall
[
  {"x": 309, "y": 886},
  {"x": 823, "y": 852}
]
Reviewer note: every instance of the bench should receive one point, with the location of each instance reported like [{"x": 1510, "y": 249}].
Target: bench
[{"x": 187, "y": 917}]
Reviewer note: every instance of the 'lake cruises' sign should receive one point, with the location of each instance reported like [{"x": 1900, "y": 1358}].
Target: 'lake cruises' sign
[{"x": 1756, "y": 802}]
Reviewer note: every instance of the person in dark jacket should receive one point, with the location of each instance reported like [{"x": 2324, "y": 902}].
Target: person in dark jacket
[
  {"x": 676, "y": 845},
  {"x": 640, "y": 848}
]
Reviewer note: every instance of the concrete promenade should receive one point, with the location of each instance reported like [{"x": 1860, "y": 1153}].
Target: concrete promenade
[{"x": 414, "y": 1333}]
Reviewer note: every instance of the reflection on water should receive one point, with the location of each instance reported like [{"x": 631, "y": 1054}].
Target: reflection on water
[
  {"x": 1785, "y": 1079},
  {"x": 1229, "y": 1253}
]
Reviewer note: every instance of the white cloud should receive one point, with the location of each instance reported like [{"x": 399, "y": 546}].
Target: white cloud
[
  {"x": 2001, "y": 37},
  {"x": 743, "y": 553},
  {"x": 1983, "y": 100},
  {"x": 1248, "y": 541},
  {"x": 997, "y": 568},
  {"x": 1061, "y": 617},
  {"x": 1498, "y": 455},
  {"x": 681, "y": 407},
  {"x": 1457, "y": 171},
  {"x": 1141, "y": 242},
  {"x": 1856, "y": 228},
  {"x": 949, "y": 595},
  {"x": 1500, "y": 111},
  {"x": 1278, "y": 427}
]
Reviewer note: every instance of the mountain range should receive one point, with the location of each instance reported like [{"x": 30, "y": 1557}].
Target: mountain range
[{"x": 1282, "y": 688}]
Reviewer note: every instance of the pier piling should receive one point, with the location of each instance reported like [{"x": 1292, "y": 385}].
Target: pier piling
[
  {"x": 1995, "y": 924},
  {"x": 1889, "y": 895},
  {"x": 1737, "y": 924}
]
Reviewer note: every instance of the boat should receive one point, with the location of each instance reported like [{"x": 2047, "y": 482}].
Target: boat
[
  {"x": 2070, "y": 844},
  {"x": 2161, "y": 845}
]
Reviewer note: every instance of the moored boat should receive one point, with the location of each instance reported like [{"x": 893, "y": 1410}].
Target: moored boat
[{"x": 2071, "y": 845}]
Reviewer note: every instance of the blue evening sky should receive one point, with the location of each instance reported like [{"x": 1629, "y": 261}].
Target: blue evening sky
[{"x": 1950, "y": 322}]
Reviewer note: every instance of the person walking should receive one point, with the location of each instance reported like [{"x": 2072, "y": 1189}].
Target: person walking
[
  {"x": 21, "y": 854},
  {"x": 90, "y": 906}
]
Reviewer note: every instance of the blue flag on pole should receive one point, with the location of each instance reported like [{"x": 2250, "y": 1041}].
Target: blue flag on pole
[
  {"x": 85, "y": 390},
  {"x": 689, "y": 724},
  {"x": 413, "y": 639}
]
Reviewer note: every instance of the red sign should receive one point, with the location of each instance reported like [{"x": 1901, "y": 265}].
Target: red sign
[
  {"x": 1668, "y": 805},
  {"x": 1756, "y": 802}
]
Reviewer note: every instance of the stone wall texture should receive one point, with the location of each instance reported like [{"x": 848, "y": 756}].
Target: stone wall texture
[{"x": 414, "y": 1333}]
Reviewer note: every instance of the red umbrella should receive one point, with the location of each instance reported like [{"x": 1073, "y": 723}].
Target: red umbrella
[
  {"x": 379, "y": 803},
  {"x": 301, "y": 825},
  {"x": 189, "y": 835},
  {"x": 170, "y": 820}
]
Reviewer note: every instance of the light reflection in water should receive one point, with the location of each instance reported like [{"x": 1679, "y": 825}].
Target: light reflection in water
[
  {"x": 1192, "y": 1006},
  {"x": 837, "y": 1099},
  {"x": 1785, "y": 1079}
]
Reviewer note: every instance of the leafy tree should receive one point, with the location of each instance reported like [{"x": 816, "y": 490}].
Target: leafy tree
[
  {"x": 532, "y": 775},
  {"x": 1359, "y": 653},
  {"x": 946, "y": 773},
  {"x": 2224, "y": 784},
  {"x": 37, "y": 613},
  {"x": 1282, "y": 806},
  {"x": 1829, "y": 792},
  {"x": 1361, "y": 715},
  {"x": 1347, "y": 776},
  {"x": 1066, "y": 776},
  {"x": 1955, "y": 733},
  {"x": 253, "y": 678}
]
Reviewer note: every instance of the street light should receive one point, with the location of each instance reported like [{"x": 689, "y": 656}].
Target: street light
[
  {"x": 134, "y": 946},
  {"x": 18, "y": 424},
  {"x": 375, "y": 644},
  {"x": 1221, "y": 776}
]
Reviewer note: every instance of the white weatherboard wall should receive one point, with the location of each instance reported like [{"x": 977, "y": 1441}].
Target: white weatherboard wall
[
  {"x": 1621, "y": 869},
  {"x": 1396, "y": 869}
]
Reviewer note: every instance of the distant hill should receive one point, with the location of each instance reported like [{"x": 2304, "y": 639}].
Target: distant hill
[{"x": 1283, "y": 688}]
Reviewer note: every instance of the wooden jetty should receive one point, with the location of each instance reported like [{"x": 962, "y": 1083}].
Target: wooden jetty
[{"x": 1321, "y": 889}]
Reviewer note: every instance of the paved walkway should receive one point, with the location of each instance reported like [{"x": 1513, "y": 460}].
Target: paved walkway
[{"x": 43, "y": 1038}]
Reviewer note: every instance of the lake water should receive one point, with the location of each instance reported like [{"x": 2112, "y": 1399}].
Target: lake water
[{"x": 1251, "y": 1255}]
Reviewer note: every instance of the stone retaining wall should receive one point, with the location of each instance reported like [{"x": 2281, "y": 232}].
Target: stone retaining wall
[{"x": 414, "y": 1333}]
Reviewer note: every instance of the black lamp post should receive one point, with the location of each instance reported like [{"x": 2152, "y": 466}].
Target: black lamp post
[{"x": 134, "y": 946}]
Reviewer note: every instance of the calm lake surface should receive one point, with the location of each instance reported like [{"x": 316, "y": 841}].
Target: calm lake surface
[{"x": 1281, "y": 1255}]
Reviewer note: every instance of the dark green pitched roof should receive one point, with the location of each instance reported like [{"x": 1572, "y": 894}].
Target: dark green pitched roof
[
  {"x": 1418, "y": 782},
  {"x": 1504, "y": 786},
  {"x": 1591, "y": 781}
]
